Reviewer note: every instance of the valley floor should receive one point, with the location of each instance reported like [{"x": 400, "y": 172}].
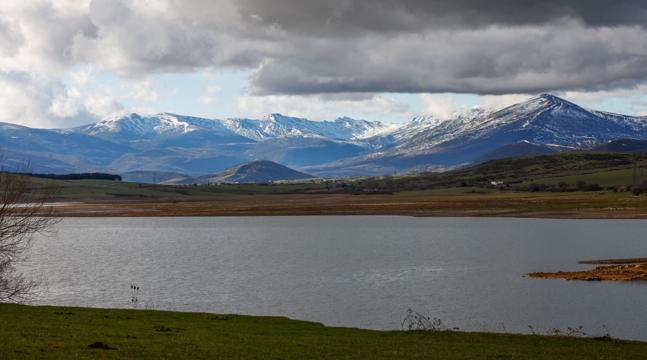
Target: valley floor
[
  {"x": 84, "y": 333},
  {"x": 449, "y": 203}
]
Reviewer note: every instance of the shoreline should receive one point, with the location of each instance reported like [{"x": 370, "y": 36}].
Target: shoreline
[{"x": 510, "y": 205}]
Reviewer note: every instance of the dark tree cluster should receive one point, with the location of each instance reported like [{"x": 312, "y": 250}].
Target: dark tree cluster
[
  {"x": 79, "y": 176},
  {"x": 561, "y": 187}
]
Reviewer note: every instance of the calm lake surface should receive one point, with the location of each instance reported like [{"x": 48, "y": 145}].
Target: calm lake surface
[{"x": 355, "y": 271}]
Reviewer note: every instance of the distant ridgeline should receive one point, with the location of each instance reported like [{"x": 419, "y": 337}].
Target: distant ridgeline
[{"x": 80, "y": 176}]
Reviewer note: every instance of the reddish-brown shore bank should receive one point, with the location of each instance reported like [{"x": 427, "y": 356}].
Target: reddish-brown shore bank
[
  {"x": 538, "y": 205},
  {"x": 613, "y": 270}
]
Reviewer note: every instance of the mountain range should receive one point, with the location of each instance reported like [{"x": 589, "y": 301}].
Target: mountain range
[{"x": 167, "y": 146}]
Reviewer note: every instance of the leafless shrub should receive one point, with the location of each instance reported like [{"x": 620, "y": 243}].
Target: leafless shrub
[
  {"x": 577, "y": 332},
  {"x": 415, "y": 321},
  {"x": 23, "y": 213}
]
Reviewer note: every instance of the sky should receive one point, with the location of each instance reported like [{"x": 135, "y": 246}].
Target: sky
[{"x": 65, "y": 63}]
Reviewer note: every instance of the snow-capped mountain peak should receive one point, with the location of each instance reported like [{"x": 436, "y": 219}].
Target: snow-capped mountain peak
[
  {"x": 140, "y": 127},
  {"x": 428, "y": 130},
  {"x": 545, "y": 119},
  {"x": 280, "y": 126},
  {"x": 191, "y": 145},
  {"x": 135, "y": 125},
  {"x": 425, "y": 121}
]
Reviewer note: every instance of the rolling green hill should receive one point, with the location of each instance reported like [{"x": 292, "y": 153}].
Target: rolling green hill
[{"x": 605, "y": 169}]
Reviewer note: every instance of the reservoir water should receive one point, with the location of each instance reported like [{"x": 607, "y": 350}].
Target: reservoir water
[{"x": 359, "y": 271}]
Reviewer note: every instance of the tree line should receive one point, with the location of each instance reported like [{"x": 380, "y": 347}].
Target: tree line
[{"x": 76, "y": 176}]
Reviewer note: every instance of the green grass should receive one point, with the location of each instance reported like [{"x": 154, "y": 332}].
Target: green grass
[
  {"x": 79, "y": 190},
  {"x": 65, "y": 333},
  {"x": 605, "y": 178},
  {"x": 608, "y": 169}
]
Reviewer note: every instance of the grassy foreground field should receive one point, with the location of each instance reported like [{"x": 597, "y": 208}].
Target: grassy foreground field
[{"x": 66, "y": 333}]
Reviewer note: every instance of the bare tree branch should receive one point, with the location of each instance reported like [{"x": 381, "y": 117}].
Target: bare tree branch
[{"x": 24, "y": 211}]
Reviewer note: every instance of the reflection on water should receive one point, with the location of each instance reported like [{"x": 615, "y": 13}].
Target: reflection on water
[{"x": 350, "y": 271}]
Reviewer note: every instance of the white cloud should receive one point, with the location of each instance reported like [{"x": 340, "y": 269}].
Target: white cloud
[
  {"x": 335, "y": 47},
  {"x": 37, "y": 101},
  {"x": 103, "y": 106},
  {"x": 397, "y": 51},
  {"x": 441, "y": 106},
  {"x": 210, "y": 97},
  {"x": 497, "y": 102},
  {"x": 21, "y": 100},
  {"x": 67, "y": 104},
  {"x": 145, "y": 91},
  {"x": 633, "y": 100},
  {"x": 206, "y": 100}
]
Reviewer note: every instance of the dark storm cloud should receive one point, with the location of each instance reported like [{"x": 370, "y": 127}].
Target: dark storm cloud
[
  {"x": 489, "y": 47},
  {"x": 488, "y": 61},
  {"x": 346, "y": 46},
  {"x": 347, "y": 16}
]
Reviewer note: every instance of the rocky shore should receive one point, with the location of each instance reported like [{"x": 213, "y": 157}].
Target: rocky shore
[{"x": 611, "y": 270}]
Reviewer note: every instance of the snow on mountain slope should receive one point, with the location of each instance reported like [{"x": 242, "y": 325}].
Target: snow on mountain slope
[
  {"x": 545, "y": 120},
  {"x": 211, "y": 144},
  {"x": 195, "y": 146},
  {"x": 137, "y": 127},
  {"x": 636, "y": 123},
  {"x": 278, "y": 126},
  {"x": 424, "y": 133}
]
